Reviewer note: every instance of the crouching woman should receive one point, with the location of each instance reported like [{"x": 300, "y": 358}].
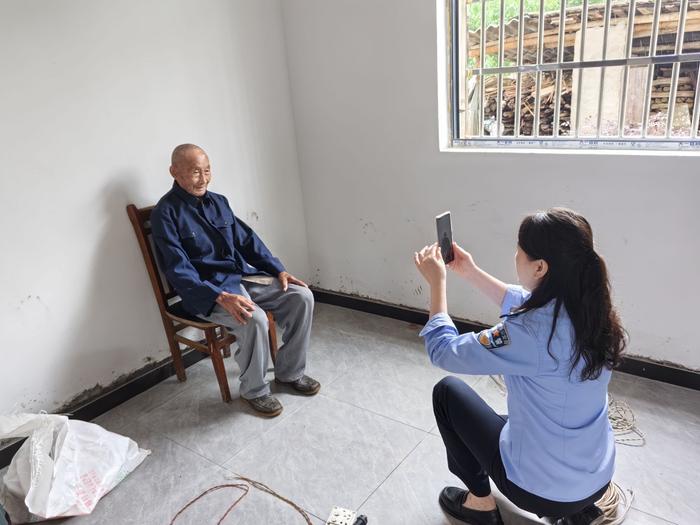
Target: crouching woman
[{"x": 557, "y": 342}]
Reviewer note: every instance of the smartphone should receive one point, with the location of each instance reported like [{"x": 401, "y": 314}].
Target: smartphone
[{"x": 444, "y": 235}]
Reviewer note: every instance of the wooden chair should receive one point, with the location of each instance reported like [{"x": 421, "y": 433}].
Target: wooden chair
[{"x": 217, "y": 340}]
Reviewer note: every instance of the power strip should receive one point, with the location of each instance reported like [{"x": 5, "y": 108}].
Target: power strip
[{"x": 341, "y": 516}]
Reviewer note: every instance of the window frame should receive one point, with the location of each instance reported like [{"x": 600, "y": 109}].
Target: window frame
[{"x": 643, "y": 143}]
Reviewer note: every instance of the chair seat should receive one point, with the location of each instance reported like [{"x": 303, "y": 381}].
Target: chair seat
[{"x": 178, "y": 310}]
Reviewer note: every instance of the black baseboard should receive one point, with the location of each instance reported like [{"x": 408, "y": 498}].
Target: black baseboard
[
  {"x": 142, "y": 382},
  {"x": 631, "y": 365},
  {"x": 115, "y": 397}
]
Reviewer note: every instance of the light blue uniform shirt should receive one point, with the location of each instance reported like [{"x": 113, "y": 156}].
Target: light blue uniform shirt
[{"x": 558, "y": 443}]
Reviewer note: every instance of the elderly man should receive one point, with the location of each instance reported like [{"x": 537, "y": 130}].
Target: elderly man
[{"x": 225, "y": 274}]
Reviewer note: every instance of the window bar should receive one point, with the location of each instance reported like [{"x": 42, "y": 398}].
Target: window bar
[
  {"x": 680, "y": 36},
  {"x": 501, "y": 53},
  {"x": 612, "y": 62},
  {"x": 603, "y": 69},
  {"x": 518, "y": 90},
  {"x": 584, "y": 24},
  {"x": 454, "y": 22},
  {"x": 538, "y": 77},
  {"x": 628, "y": 54},
  {"x": 650, "y": 68},
  {"x": 482, "y": 60},
  {"x": 696, "y": 102},
  {"x": 560, "y": 74},
  {"x": 464, "y": 68}
]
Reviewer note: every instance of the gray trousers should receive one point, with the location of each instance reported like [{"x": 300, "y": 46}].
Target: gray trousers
[{"x": 293, "y": 312}]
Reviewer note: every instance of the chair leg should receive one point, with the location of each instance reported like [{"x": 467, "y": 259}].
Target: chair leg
[
  {"x": 272, "y": 334},
  {"x": 227, "y": 349},
  {"x": 218, "y": 362},
  {"x": 175, "y": 350}
]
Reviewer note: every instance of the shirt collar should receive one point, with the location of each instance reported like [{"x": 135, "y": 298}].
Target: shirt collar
[{"x": 187, "y": 197}]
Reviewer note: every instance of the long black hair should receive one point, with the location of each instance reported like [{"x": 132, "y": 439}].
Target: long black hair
[{"x": 577, "y": 279}]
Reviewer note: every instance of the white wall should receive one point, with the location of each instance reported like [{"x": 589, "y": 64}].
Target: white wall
[
  {"x": 94, "y": 96},
  {"x": 363, "y": 78}
]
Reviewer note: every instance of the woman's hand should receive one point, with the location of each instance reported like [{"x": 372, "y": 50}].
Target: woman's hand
[
  {"x": 430, "y": 264},
  {"x": 463, "y": 263}
]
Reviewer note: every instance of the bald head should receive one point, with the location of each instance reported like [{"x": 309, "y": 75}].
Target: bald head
[
  {"x": 189, "y": 166},
  {"x": 181, "y": 152}
]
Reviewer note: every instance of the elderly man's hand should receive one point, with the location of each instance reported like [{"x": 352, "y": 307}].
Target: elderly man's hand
[
  {"x": 240, "y": 307},
  {"x": 286, "y": 279}
]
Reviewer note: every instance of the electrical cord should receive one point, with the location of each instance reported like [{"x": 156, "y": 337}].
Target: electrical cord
[{"x": 245, "y": 488}]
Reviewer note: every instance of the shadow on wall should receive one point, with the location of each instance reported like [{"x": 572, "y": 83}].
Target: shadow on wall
[{"x": 119, "y": 329}]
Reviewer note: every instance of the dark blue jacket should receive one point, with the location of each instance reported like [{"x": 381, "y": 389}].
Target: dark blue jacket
[{"x": 204, "y": 249}]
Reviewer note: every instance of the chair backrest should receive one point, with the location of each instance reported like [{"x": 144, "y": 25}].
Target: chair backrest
[{"x": 141, "y": 221}]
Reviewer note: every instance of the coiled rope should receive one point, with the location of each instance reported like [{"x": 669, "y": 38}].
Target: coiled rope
[{"x": 615, "y": 505}]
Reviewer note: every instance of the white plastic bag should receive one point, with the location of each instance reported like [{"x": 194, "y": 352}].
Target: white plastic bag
[{"x": 63, "y": 468}]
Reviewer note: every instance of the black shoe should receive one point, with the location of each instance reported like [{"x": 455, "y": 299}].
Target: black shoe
[
  {"x": 304, "y": 385},
  {"x": 266, "y": 405},
  {"x": 588, "y": 516},
  {"x": 451, "y": 500}
]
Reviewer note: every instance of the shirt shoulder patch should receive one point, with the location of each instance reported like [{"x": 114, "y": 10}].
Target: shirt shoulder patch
[{"x": 495, "y": 337}]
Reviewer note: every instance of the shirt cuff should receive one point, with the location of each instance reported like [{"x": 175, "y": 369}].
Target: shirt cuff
[
  {"x": 275, "y": 267},
  {"x": 436, "y": 321}
]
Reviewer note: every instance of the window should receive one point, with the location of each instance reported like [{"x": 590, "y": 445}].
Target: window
[{"x": 575, "y": 73}]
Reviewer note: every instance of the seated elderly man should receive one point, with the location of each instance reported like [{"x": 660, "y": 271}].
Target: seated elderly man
[{"x": 225, "y": 274}]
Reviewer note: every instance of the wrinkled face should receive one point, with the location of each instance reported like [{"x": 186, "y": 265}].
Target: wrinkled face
[
  {"x": 530, "y": 272},
  {"x": 192, "y": 172}
]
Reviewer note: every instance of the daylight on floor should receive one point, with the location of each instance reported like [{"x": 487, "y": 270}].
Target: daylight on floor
[{"x": 331, "y": 262}]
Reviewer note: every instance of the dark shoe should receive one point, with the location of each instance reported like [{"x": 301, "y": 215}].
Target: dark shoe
[
  {"x": 451, "y": 500},
  {"x": 588, "y": 516},
  {"x": 304, "y": 385},
  {"x": 267, "y": 405}
]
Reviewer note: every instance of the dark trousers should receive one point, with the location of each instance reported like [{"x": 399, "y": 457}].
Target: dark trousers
[{"x": 470, "y": 430}]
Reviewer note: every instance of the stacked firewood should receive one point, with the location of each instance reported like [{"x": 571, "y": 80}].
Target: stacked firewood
[
  {"x": 662, "y": 74},
  {"x": 660, "y": 93},
  {"x": 661, "y": 88},
  {"x": 528, "y": 93}
]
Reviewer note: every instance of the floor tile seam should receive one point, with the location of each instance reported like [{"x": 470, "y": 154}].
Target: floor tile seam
[
  {"x": 376, "y": 413},
  {"x": 392, "y": 472},
  {"x": 338, "y": 378},
  {"x": 184, "y": 390},
  {"x": 409, "y": 386},
  {"x": 235, "y": 475},
  {"x": 272, "y": 427},
  {"x": 208, "y": 460},
  {"x": 653, "y": 515}
]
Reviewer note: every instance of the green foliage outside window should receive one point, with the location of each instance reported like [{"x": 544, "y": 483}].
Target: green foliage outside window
[{"x": 512, "y": 10}]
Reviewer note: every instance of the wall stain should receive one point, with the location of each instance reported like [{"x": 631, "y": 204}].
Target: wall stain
[
  {"x": 368, "y": 226},
  {"x": 31, "y": 299}
]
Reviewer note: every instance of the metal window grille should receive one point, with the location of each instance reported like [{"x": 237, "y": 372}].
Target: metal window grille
[{"x": 575, "y": 73}]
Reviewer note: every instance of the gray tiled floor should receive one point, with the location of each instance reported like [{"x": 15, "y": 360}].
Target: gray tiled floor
[{"x": 367, "y": 442}]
